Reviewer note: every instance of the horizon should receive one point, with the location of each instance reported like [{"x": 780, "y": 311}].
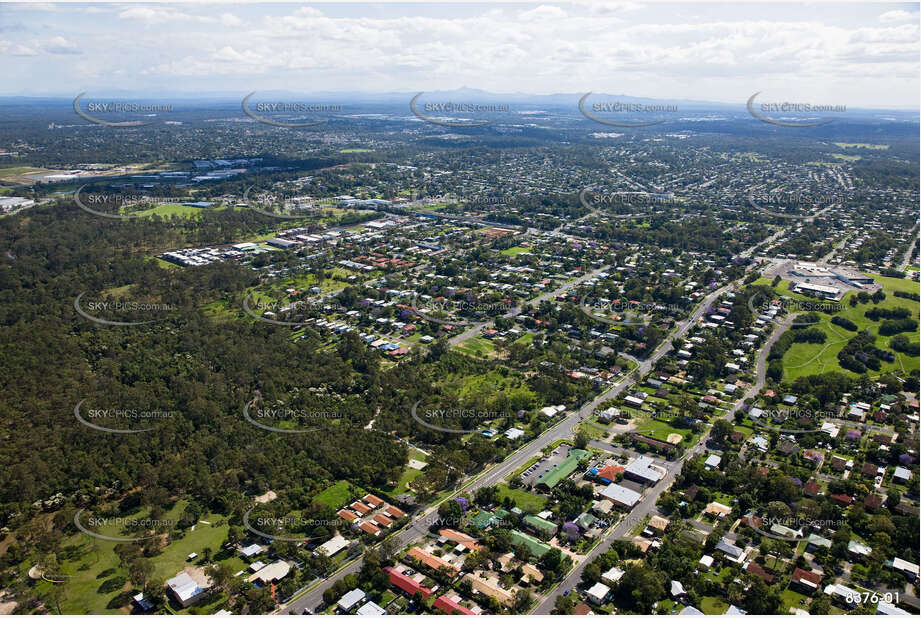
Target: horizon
[{"x": 860, "y": 56}]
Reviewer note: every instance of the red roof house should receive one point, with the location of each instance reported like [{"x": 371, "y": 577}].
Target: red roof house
[
  {"x": 450, "y": 606},
  {"x": 406, "y": 584}
]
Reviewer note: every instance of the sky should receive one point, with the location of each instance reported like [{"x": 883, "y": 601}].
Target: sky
[{"x": 853, "y": 54}]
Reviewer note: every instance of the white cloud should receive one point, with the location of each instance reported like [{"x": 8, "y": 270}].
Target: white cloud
[
  {"x": 680, "y": 51},
  {"x": 893, "y": 16},
  {"x": 60, "y": 45},
  {"x": 230, "y": 20}
]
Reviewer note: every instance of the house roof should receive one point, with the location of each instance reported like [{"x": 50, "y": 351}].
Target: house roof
[
  {"x": 564, "y": 468},
  {"x": 807, "y": 576},
  {"x": 369, "y": 528},
  {"x": 406, "y": 584},
  {"x": 728, "y": 548},
  {"x": 430, "y": 560},
  {"x": 351, "y": 598},
  {"x": 373, "y": 500},
  {"x": 621, "y": 495},
  {"x": 272, "y": 572},
  {"x": 450, "y": 606}
]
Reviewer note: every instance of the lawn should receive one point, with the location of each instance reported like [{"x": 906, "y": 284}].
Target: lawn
[
  {"x": 593, "y": 429},
  {"x": 713, "y": 605},
  {"x": 792, "y": 599},
  {"x": 525, "y": 338},
  {"x": 477, "y": 346},
  {"x": 168, "y": 210},
  {"x": 745, "y": 430},
  {"x": 97, "y": 584},
  {"x": 335, "y": 496},
  {"x": 525, "y": 500},
  {"x": 513, "y": 251},
  {"x": 811, "y": 358},
  {"x": 846, "y": 145},
  {"x": 659, "y": 430},
  {"x": 409, "y": 474},
  {"x": 354, "y": 150}
]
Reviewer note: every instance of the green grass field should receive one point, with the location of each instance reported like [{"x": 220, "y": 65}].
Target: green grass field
[
  {"x": 97, "y": 584},
  {"x": 525, "y": 500},
  {"x": 713, "y": 605},
  {"x": 335, "y": 496},
  {"x": 846, "y": 145},
  {"x": 659, "y": 430},
  {"x": 812, "y": 358},
  {"x": 513, "y": 251},
  {"x": 169, "y": 210},
  {"x": 477, "y": 345},
  {"x": 355, "y": 150}
]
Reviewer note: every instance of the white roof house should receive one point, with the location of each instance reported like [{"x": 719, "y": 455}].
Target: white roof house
[
  {"x": 598, "y": 593},
  {"x": 252, "y": 550},
  {"x": 185, "y": 589},
  {"x": 643, "y": 469},
  {"x": 888, "y": 609},
  {"x": 612, "y": 575},
  {"x": 513, "y": 433},
  {"x": 371, "y": 609},
  {"x": 350, "y": 599},
  {"x": 621, "y": 496},
  {"x": 334, "y": 545},
  {"x": 271, "y": 573},
  {"x": 712, "y": 461}
]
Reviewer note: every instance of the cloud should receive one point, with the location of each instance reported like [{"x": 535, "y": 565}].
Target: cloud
[
  {"x": 893, "y": 16},
  {"x": 60, "y": 45},
  {"x": 16, "y": 49},
  {"x": 616, "y": 47},
  {"x": 230, "y": 20}
]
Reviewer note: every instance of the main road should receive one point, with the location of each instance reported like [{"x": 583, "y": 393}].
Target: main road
[
  {"x": 496, "y": 473},
  {"x": 647, "y": 504},
  {"x": 563, "y": 429}
]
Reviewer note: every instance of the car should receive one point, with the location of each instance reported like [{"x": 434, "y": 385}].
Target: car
[
  {"x": 566, "y": 592},
  {"x": 409, "y": 572}
]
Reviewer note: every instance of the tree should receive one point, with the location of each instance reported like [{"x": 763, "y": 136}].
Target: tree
[
  {"x": 140, "y": 571},
  {"x": 564, "y": 605},
  {"x": 155, "y": 590},
  {"x": 721, "y": 430},
  {"x": 221, "y": 574}
]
